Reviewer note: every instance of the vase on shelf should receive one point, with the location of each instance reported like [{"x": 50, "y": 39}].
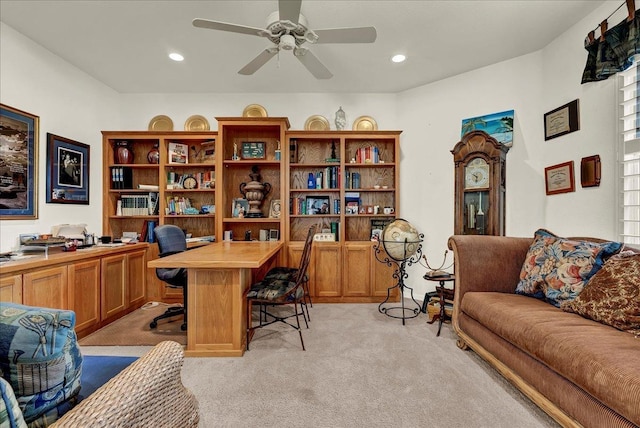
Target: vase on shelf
[
  {"x": 123, "y": 152},
  {"x": 153, "y": 156},
  {"x": 254, "y": 192}
]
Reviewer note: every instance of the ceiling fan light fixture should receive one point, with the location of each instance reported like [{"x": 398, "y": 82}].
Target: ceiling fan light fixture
[
  {"x": 176, "y": 56},
  {"x": 398, "y": 58},
  {"x": 287, "y": 42}
]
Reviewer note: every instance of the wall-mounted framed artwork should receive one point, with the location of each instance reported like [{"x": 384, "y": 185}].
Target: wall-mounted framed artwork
[
  {"x": 19, "y": 134},
  {"x": 559, "y": 178},
  {"x": 562, "y": 120},
  {"x": 590, "y": 171},
  {"x": 67, "y": 171},
  {"x": 498, "y": 125}
]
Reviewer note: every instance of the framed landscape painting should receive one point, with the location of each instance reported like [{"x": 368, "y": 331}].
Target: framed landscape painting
[
  {"x": 18, "y": 164},
  {"x": 67, "y": 171}
]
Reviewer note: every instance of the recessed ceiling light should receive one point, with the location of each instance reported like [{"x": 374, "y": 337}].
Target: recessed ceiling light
[
  {"x": 176, "y": 56},
  {"x": 398, "y": 58}
]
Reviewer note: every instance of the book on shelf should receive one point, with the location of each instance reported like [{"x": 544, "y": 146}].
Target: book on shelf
[{"x": 369, "y": 154}]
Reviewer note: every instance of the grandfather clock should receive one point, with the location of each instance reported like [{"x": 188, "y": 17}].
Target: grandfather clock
[{"x": 480, "y": 167}]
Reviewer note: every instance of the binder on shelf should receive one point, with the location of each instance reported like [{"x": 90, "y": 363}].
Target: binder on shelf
[{"x": 121, "y": 177}]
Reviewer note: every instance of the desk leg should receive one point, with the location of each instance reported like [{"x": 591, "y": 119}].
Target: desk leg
[{"x": 217, "y": 312}]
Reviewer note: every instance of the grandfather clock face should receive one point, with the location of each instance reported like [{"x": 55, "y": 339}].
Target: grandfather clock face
[{"x": 476, "y": 174}]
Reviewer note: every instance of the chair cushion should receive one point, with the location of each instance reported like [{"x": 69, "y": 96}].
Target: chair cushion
[
  {"x": 557, "y": 268},
  {"x": 286, "y": 273},
  {"x": 40, "y": 358},
  {"x": 9, "y": 408},
  {"x": 274, "y": 289}
]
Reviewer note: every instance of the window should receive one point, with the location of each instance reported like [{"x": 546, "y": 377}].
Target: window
[{"x": 629, "y": 156}]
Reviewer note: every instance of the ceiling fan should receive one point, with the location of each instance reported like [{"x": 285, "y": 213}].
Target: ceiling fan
[{"x": 288, "y": 31}]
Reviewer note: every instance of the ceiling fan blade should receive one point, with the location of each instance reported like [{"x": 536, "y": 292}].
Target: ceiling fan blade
[
  {"x": 223, "y": 26},
  {"x": 258, "y": 61},
  {"x": 289, "y": 10},
  {"x": 312, "y": 63},
  {"x": 347, "y": 35}
]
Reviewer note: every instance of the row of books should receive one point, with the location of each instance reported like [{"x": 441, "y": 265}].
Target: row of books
[
  {"x": 204, "y": 180},
  {"x": 147, "y": 234},
  {"x": 179, "y": 205},
  {"x": 328, "y": 178},
  {"x": 130, "y": 205},
  {"x": 368, "y": 154},
  {"x": 121, "y": 177},
  {"x": 314, "y": 205},
  {"x": 352, "y": 180}
]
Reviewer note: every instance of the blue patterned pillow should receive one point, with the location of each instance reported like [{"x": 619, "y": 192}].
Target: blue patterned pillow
[
  {"x": 9, "y": 409},
  {"x": 558, "y": 269},
  {"x": 40, "y": 358}
]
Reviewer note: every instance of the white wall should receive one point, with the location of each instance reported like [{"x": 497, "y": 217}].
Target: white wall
[
  {"x": 70, "y": 104},
  {"x": 73, "y": 105}
]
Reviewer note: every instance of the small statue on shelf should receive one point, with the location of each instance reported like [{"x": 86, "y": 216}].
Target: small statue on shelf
[
  {"x": 341, "y": 120},
  {"x": 235, "y": 152}
]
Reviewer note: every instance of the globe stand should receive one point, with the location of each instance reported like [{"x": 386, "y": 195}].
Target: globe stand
[{"x": 400, "y": 274}]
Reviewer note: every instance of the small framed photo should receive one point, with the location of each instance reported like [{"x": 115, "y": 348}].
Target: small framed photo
[
  {"x": 562, "y": 120},
  {"x": 275, "y": 208},
  {"x": 67, "y": 171},
  {"x": 253, "y": 150},
  {"x": 208, "y": 151},
  {"x": 318, "y": 205},
  {"x": 178, "y": 153},
  {"x": 559, "y": 178},
  {"x": 239, "y": 208}
]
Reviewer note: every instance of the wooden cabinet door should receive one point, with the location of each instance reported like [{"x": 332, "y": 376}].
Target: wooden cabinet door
[
  {"x": 326, "y": 264},
  {"x": 46, "y": 288},
  {"x": 11, "y": 289},
  {"x": 84, "y": 293},
  {"x": 382, "y": 276},
  {"x": 356, "y": 278},
  {"x": 114, "y": 285},
  {"x": 137, "y": 269}
]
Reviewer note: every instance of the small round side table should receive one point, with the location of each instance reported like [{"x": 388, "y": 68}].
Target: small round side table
[{"x": 444, "y": 294}]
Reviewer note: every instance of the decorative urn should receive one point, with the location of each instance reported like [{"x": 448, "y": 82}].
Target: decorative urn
[
  {"x": 123, "y": 153},
  {"x": 254, "y": 192}
]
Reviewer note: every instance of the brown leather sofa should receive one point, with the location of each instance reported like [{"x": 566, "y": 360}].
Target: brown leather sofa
[{"x": 581, "y": 372}]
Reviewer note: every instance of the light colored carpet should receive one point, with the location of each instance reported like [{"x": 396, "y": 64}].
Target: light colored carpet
[
  {"x": 133, "y": 329},
  {"x": 360, "y": 369}
]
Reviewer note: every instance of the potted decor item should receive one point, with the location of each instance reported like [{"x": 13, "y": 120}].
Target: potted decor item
[
  {"x": 123, "y": 153},
  {"x": 153, "y": 156},
  {"x": 254, "y": 192}
]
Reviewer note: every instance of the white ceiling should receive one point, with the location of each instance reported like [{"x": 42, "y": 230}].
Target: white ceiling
[{"x": 124, "y": 44}]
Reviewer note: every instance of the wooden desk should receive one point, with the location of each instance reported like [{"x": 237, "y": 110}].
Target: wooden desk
[{"x": 219, "y": 274}]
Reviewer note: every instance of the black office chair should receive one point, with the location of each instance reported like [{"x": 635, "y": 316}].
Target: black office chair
[
  {"x": 171, "y": 240},
  {"x": 279, "y": 290}
]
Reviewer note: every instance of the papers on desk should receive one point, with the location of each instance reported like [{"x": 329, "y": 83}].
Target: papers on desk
[{"x": 209, "y": 238}]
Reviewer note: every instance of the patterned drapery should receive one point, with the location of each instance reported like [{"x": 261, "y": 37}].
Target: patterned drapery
[{"x": 614, "y": 52}]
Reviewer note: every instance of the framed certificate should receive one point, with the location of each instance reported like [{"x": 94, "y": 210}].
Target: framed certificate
[
  {"x": 559, "y": 178},
  {"x": 253, "y": 150},
  {"x": 563, "y": 120}
]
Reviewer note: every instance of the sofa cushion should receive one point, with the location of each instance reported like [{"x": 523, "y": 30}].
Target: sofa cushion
[
  {"x": 557, "y": 268},
  {"x": 598, "y": 358},
  {"x": 612, "y": 296},
  {"x": 40, "y": 358}
]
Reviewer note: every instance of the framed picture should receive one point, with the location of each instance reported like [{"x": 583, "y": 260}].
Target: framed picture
[
  {"x": 275, "y": 208},
  {"x": 178, "y": 153},
  {"x": 239, "y": 207},
  {"x": 253, "y": 150},
  {"x": 590, "y": 171},
  {"x": 562, "y": 120},
  {"x": 318, "y": 205},
  {"x": 19, "y": 133},
  {"x": 67, "y": 171},
  {"x": 559, "y": 178},
  {"x": 208, "y": 151}
]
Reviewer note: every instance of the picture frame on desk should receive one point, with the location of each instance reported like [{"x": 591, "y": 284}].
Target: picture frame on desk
[
  {"x": 20, "y": 140},
  {"x": 67, "y": 171}
]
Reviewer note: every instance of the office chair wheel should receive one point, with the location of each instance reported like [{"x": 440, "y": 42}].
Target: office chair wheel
[
  {"x": 183, "y": 327},
  {"x": 153, "y": 324}
]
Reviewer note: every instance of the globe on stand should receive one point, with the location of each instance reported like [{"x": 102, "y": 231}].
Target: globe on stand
[{"x": 402, "y": 244}]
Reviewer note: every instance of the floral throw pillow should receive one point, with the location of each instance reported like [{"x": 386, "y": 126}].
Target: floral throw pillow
[
  {"x": 612, "y": 296},
  {"x": 558, "y": 269}
]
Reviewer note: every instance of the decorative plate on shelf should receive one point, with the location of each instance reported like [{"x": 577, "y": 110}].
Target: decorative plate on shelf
[
  {"x": 161, "y": 123},
  {"x": 365, "y": 123},
  {"x": 254, "y": 110},
  {"x": 196, "y": 123},
  {"x": 316, "y": 123}
]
